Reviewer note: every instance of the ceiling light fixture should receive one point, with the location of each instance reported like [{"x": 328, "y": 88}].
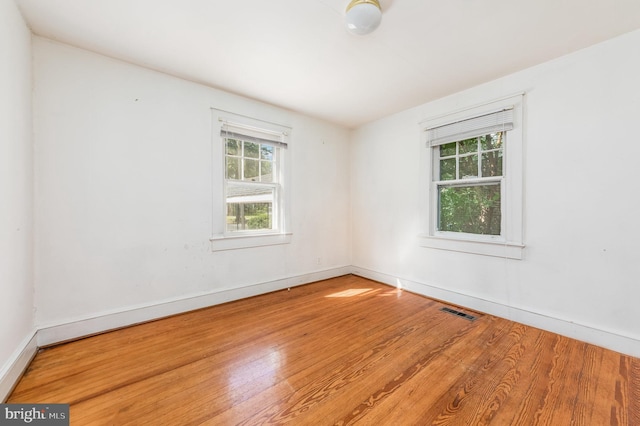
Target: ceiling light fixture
[{"x": 363, "y": 16}]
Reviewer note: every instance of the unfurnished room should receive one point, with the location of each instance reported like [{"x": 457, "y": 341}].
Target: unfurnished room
[{"x": 319, "y": 212}]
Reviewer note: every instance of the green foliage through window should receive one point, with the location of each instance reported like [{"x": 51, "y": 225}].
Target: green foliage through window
[
  {"x": 471, "y": 209},
  {"x": 243, "y": 216},
  {"x": 469, "y": 185}
]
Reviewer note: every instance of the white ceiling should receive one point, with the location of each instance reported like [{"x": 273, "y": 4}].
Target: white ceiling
[{"x": 297, "y": 54}]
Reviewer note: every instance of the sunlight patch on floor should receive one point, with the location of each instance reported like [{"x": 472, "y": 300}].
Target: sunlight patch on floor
[
  {"x": 351, "y": 292},
  {"x": 389, "y": 293}
]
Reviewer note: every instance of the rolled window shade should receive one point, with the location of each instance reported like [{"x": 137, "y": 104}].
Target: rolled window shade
[
  {"x": 497, "y": 121},
  {"x": 253, "y": 135}
]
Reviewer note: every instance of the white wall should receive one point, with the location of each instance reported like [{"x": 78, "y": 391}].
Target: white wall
[
  {"x": 16, "y": 188},
  {"x": 581, "y": 269},
  {"x": 124, "y": 190}
]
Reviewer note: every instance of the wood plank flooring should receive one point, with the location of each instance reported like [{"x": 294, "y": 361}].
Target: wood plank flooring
[{"x": 337, "y": 352}]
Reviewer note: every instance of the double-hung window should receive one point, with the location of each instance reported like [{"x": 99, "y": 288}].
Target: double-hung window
[
  {"x": 252, "y": 179},
  {"x": 475, "y": 180},
  {"x": 253, "y": 198}
]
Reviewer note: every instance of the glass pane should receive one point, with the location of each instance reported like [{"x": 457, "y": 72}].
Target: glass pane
[
  {"x": 266, "y": 152},
  {"x": 448, "y": 149},
  {"x": 468, "y": 167},
  {"x": 249, "y": 207},
  {"x": 251, "y": 171},
  {"x": 232, "y": 147},
  {"x": 251, "y": 150},
  {"x": 468, "y": 145},
  {"x": 266, "y": 171},
  {"x": 249, "y": 216},
  {"x": 233, "y": 168},
  {"x": 448, "y": 169},
  {"x": 492, "y": 163},
  {"x": 492, "y": 141},
  {"x": 470, "y": 209}
]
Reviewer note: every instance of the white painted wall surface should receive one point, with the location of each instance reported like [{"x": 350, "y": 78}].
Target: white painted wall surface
[
  {"x": 16, "y": 186},
  {"x": 124, "y": 189},
  {"x": 582, "y": 257}
]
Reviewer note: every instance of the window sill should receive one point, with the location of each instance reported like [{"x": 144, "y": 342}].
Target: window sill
[
  {"x": 485, "y": 248},
  {"x": 235, "y": 242}
]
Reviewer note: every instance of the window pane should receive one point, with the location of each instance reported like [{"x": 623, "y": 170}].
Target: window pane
[
  {"x": 468, "y": 145},
  {"x": 470, "y": 209},
  {"x": 233, "y": 168},
  {"x": 468, "y": 167},
  {"x": 251, "y": 150},
  {"x": 232, "y": 147},
  {"x": 249, "y": 207},
  {"x": 266, "y": 171},
  {"x": 249, "y": 216},
  {"x": 251, "y": 171},
  {"x": 448, "y": 149},
  {"x": 492, "y": 141},
  {"x": 448, "y": 169},
  {"x": 492, "y": 163},
  {"x": 266, "y": 152}
]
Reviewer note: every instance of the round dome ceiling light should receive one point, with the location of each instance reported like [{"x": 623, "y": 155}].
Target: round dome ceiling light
[{"x": 363, "y": 16}]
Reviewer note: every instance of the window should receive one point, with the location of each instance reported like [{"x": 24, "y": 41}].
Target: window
[
  {"x": 475, "y": 180},
  {"x": 253, "y": 202},
  {"x": 251, "y": 186}
]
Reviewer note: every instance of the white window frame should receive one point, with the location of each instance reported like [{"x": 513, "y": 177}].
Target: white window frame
[
  {"x": 510, "y": 244},
  {"x": 220, "y": 238}
]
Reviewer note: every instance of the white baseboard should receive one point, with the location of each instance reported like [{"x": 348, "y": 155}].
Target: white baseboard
[
  {"x": 17, "y": 364},
  {"x": 604, "y": 338},
  {"x": 105, "y": 321}
]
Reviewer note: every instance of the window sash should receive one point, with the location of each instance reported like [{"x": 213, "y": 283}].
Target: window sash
[
  {"x": 272, "y": 197},
  {"x": 482, "y": 182},
  {"x": 457, "y": 157},
  {"x": 241, "y": 158}
]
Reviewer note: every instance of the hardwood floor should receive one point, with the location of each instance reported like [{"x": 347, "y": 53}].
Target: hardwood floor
[{"x": 341, "y": 351}]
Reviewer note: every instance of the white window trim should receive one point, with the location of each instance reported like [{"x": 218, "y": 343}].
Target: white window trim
[
  {"x": 221, "y": 239},
  {"x": 234, "y": 242},
  {"x": 511, "y": 243}
]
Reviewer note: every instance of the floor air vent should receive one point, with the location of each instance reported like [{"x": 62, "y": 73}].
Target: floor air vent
[{"x": 459, "y": 314}]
